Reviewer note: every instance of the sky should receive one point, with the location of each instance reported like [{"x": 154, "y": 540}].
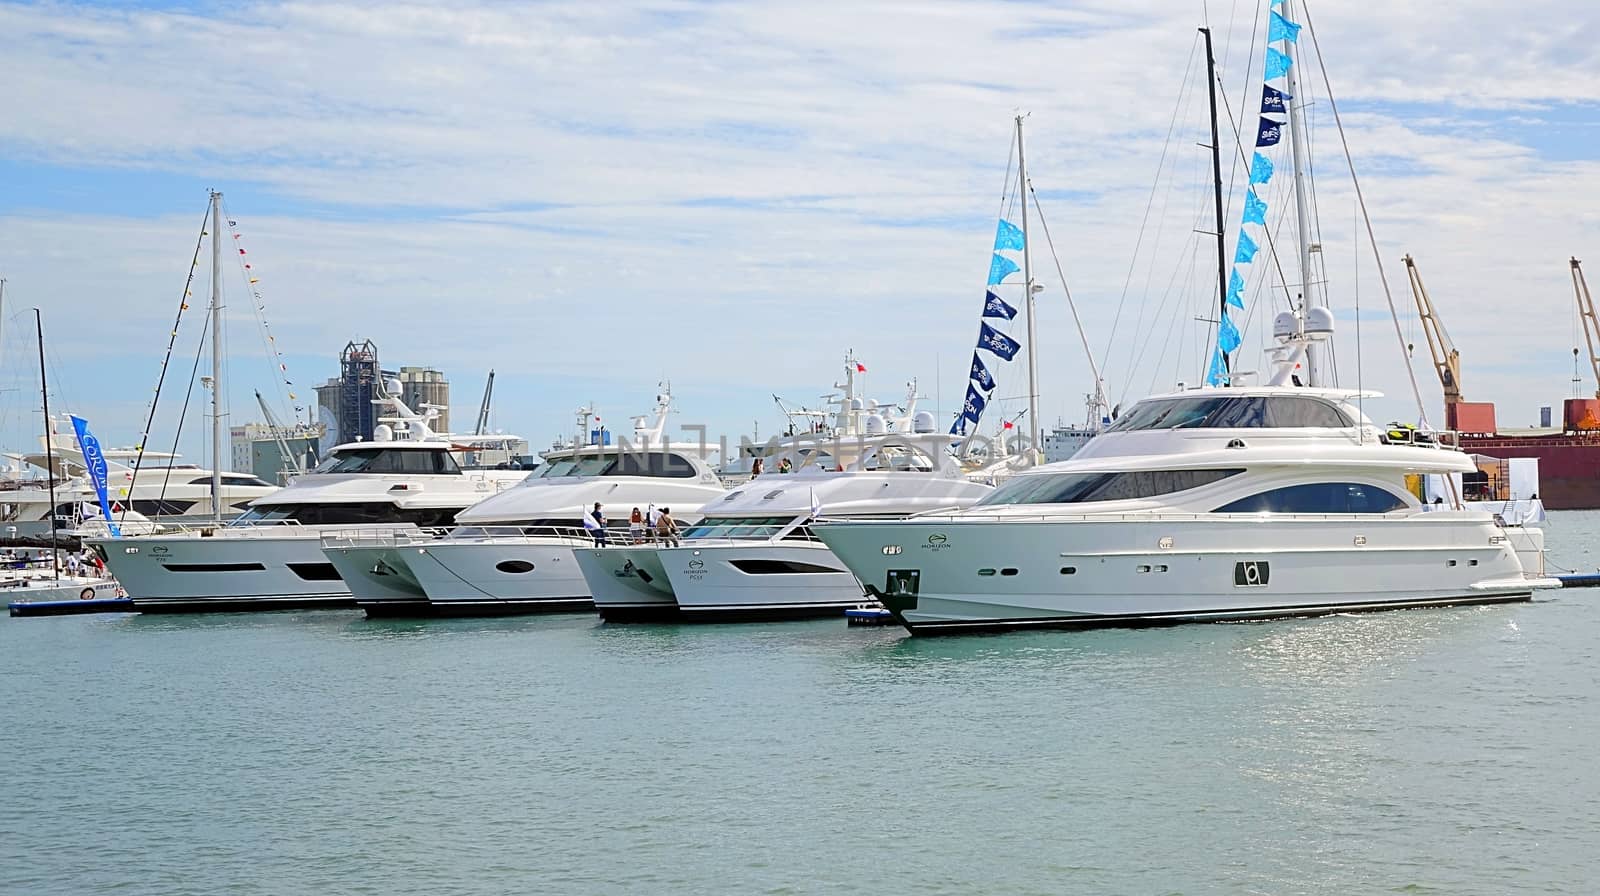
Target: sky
[{"x": 592, "y": 199}]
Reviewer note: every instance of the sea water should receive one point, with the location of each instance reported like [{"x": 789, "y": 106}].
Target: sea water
[{"x": 1431, "y": 751}]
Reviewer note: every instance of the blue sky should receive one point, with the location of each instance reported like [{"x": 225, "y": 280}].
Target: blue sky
[{"x": 591, "y": 198}]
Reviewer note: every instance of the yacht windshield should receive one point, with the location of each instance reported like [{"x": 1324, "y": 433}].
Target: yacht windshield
[
  {"x": 391, "y": 460},
  {"x": 1232, "y": 412},
  {"x": 373, "y": 512},
  {"x": 1082, "y": 488},
  {"x": 655, "y": 463}
]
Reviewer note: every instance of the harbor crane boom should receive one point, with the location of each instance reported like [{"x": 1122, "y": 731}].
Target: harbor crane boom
[
  {"x": 1586, "y": 317},
  {"x": 291, "y": 463},
  {"x": 482, "y": 429},
  {"x": 1446, "y": 359}
]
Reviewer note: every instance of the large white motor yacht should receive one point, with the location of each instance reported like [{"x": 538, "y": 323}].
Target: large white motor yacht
[
  {"x": 752, "y": 555},
  {"x": 513, "y": 554},
  {"x": 1208, "y": 504},
  {"x": 166, "y": 490},
  {"x": 271, "y": 556}
]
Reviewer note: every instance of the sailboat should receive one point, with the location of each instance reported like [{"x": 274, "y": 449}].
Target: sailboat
[
  {"x": 1234, "y": 500},
  {"x": 63, "y": 581}
]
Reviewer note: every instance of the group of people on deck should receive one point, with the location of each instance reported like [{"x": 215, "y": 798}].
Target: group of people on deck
[{"x": 649, "y": 525}]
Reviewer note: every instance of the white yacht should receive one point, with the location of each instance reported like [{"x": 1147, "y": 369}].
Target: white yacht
[
  {"x": 513, "y": 554},
  {"x": 1208, "y": 504},
  {"x": 753, "y": 556},
  {"x": 270, "y": 557},
  {"x": 166, "y": 490}
]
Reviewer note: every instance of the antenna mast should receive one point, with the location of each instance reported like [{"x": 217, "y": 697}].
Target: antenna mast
[{"x": 1027, "y": 287}]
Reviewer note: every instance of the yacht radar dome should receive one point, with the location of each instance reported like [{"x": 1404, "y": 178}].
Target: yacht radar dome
[
  {"x": 922, "y": 422},
  {"x": 383, "y": 432},
  {"x": 876, "y": 425},
  {"x": 1319, "y": 321},
  {"x": 1284, "y": 325}
]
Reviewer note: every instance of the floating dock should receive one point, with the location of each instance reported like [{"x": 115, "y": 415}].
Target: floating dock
[
  {"x": 1580, "y": 580},
  {"x": 71, "y": 607}
]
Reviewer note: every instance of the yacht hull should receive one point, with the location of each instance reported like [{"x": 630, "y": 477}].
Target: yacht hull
[
  {"x": 189, "y": 573},
  {"x": 488, "y": 577},
  {"x": 629, "y": 584},
  {"x": 996, "y": 575},
  {"x": 759, "y": 581}
]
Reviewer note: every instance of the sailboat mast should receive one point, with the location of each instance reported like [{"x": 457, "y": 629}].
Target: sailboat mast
[
  {"x": 216, "y": 356},
  {"x": 1027, "y": 287},
  {"x": 1316, "y": 354},
  {"x": 1216, "y": 182},
  {"x": 49, "y": 446}
]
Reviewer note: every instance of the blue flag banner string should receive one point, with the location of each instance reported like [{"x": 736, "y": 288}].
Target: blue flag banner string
[
  {"x": 1277, "y": 64},
  {"x": 95, "y": 461},
  {"x": 1236, "y": 290},
  {"x": 997, "y": 342},
  {"x": 994, "y": 306},
  {"x": 1260, "y": 169},
  {"x": 959, "y": 428},
  {"x": 981, "y": 375},
  {"x": 1007, "y": 236},
  {"x": 1269, "y": 134},
  {"x": 1274, "y": 101},
  {"x": 1247, "y": 250},
  {"x": 1280, "y": 28},
  {"x": 1255, "y": 209},
  {"x": 1001, "y": 268}
]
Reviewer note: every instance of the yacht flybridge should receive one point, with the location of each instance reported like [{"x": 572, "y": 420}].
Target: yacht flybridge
[
  {"x": 513, "y": 554},
  {"x": 270, "y": 557},
  {"x": 752, "y": 555}
]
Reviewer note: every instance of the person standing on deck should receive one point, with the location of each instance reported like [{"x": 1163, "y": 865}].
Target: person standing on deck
[{"x": 667, "y": 528}]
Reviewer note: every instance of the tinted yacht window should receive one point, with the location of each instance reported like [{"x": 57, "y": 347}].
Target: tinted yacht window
[
  {"x": 1319, "y": 497},
  {"x": 1232, "y": 412},
  {"x": 1080, "y": 488}
]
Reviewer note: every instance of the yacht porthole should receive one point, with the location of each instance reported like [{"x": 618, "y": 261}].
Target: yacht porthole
[
  {"x": 514, "y": 566},
  {"x": 986, "y": 572},
  {"x": 1009, "y": 571},
  {"x": 1144, "y": 567},
  {"x": 1069, "y": 570},
  {"x": 1450, "y": 563}
]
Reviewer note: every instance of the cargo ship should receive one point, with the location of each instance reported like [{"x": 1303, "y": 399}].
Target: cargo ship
[{"x": 1568, "y": 454}]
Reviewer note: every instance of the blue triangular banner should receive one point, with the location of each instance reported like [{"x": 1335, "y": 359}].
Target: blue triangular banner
[
  {"x": 1269, "y": 134},
  {"x": 1255, "y": 210},
  {"x": 1236, "y": 290},
  {"x": 994, "y": 306},
  {"x": 1274, "y": 101},
  {"x": 1260, "y": 169},
  {"x": 1008, "y": 236},
  {"x": 1280, "y": 28},
  {"x": 995, "y": 341},
  {"x": 1227, "y": 334},
  {"x": 1246, "y": 252},
  {"x": 1277, "y": 64},
  {"x": 1001, "y": 268},
  {"x": 981, "y": 375}
]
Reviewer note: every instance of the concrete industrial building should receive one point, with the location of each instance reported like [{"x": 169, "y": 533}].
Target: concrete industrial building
[
  {"x": 345, "y": 405},
  {"x": 257, "y": 452}
]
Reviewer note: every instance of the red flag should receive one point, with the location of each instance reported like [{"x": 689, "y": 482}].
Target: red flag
[
  {"x": 1008, "y": 424},
  {"x": 861, "y": 368}
]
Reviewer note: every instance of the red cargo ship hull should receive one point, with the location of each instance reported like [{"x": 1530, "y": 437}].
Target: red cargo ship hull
[{"x": 1569, "y": 465}]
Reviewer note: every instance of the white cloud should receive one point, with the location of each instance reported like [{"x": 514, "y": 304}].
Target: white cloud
[{"x": 526, "y": 186}]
